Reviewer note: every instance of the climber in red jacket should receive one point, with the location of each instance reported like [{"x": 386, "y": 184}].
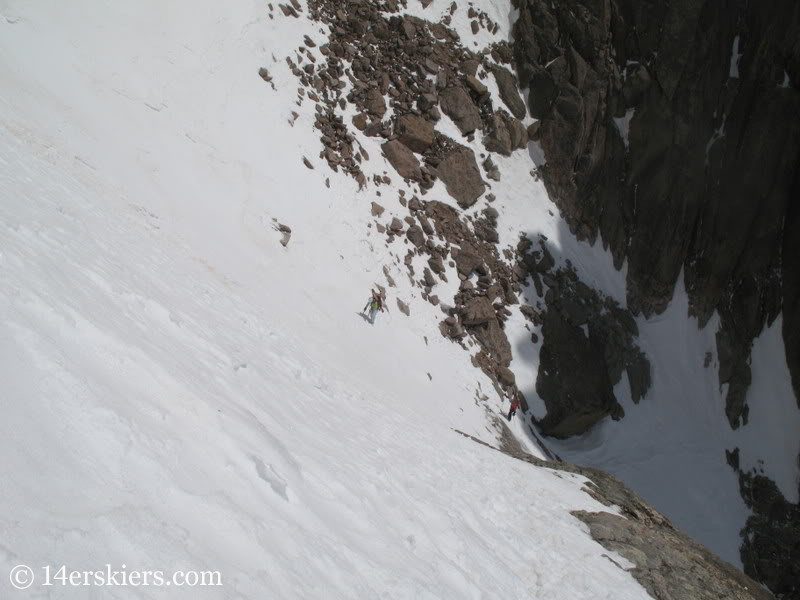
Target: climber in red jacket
[{"x": 513, "y": 410}]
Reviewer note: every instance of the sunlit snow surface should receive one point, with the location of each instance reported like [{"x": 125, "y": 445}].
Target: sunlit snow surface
[{"x": 182, "y": 392}]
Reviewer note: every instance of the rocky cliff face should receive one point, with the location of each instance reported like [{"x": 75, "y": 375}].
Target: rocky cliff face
[{"x": 671, "y": 131}]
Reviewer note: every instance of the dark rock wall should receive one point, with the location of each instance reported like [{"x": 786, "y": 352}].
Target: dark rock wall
[{"x": 707, "y": 182}]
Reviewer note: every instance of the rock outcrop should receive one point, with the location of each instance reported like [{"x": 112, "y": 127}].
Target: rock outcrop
[
  {"x": 671, "y": 130},
  {"x": 584, "y": 332},
  {"x": 667, "y": 562},
  {"x": 772, "y": 533}
]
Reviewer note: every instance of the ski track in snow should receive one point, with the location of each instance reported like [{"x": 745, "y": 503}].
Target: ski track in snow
[{"x": 180, "y": 391}]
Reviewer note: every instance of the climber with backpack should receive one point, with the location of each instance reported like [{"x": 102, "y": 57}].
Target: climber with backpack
[
  {"x": 374, "y": 304},
  {"x": 514, "y": 405}
]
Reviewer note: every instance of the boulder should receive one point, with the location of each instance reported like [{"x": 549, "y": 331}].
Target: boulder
[
  {"x": 461, "y": 176},
  {"x": 506, "y": 376},
  {"x": 457, "y": 104},
  {"x": 428, "y": 277},
  {"x": 402, "y": 159},
  {"x": 470, "y": 66},
  {"x": 416, "y": 236},
  {"x": 436, "y": 263},
  {"x": 506, "y": 134},
  {"x": 467, "y": 261},
  {"x": 476, "y": 85},
  {"x": 509, "y": 92},
  {"x": 360, "y": 121},
  {"x": 377, "y": 210},
  {"x": 425, "y": 224},
  {"x": 374, "y": 103},
  {"x": 414, "y": 132},
  {"x": 518, "y": 133},
  {"x": 499, "y": 138},
  {"x": 477, "y": 311}
]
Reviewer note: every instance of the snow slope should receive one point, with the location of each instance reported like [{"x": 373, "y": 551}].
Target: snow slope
[{"x": 182, "y": 392}]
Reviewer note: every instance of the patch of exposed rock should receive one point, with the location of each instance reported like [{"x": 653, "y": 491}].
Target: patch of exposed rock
[
  {"x": 418, "y": 69},
  {"x": 668, "y": 563}
]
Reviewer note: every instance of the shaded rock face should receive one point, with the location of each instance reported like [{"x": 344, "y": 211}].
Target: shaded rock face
[
  {"x": 680, "y": 155},
  {"x": 574, "y": 404},
  {"x": 584, "y": 332},
  {"x": 670, "y": 129},
  {"x": 771, "y": 548}
]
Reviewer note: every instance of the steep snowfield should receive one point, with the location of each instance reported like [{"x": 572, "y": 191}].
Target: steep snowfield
[{"x": 182, "y": 392}]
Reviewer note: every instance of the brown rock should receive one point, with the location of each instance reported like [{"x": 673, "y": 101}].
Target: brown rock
[
  {"x": 477, "y": 311},
  {"x": 457, "y": 105},
  {"x": 374, "y": 103},
  {"x": 467, "y": 261},
  {"x": 461, "y": 176},
  {"x": 425, "y": 224},
  {"x": 519, "y": 134},
  {"x": 377, "y": 209},
  {"x": 475, "y": 85},
  {"x": 416, "y": 236},
  {"x": 436, "y": 264},
  {"x": 414, "y": 132},
  {"x": 402, "y": 159},
  {"x": 509, "y": 92},
  {"x": 499, "y": 138},
  {"x": 506, "y": 376},
  {"x": 506, "y": 134},
  {"x": 360, "y": 121}
]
